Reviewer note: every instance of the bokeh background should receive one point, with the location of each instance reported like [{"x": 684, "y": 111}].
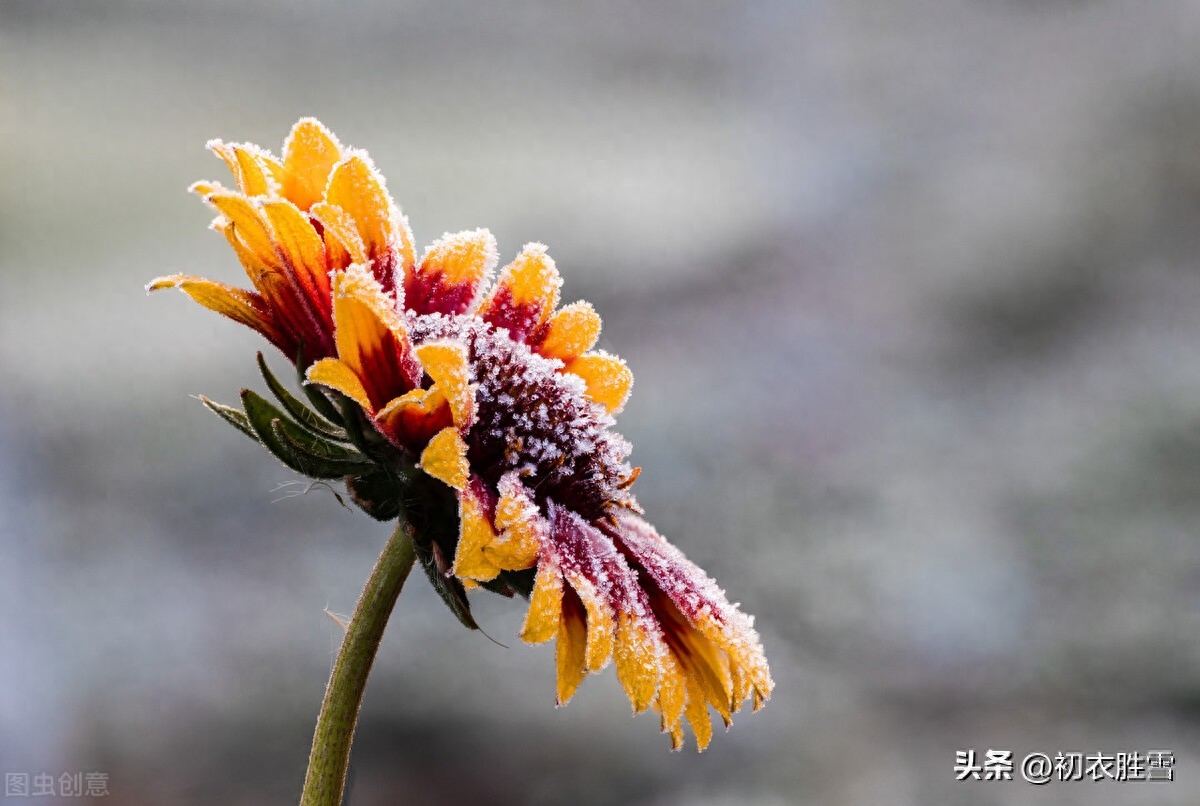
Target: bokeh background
[{"x": 912, "y": 295}]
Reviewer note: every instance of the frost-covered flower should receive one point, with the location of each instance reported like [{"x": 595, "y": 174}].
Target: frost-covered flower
[{"x": 497, "y": 395}]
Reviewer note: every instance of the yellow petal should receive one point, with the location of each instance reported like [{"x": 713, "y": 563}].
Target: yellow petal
[
  {"x": 239, "y": 305},
  {"x": 475, "y": 534},
  {"x": 415, "y": 417},
  {"x": 341, "y": 235},
  {"x": 571, "y": 332},
  {"x": 697, "y": 713},
  {"x": 309, "y": 154},
  {"x": 302, "y": 246},
  {"x": 600, "y": 623},
  {"x": 445, "y": 458},
  {"x": 636, "y": 655},
  {"x": 255, "y": 170},
  {"x": 447, "y": 364},
  {"x": 608, "y": 379},
  {"x": 337, "y": 375},
  {"x": 672, "y": 692},
  {"x": 370, "y": 336},
  {"x": 519, "y": 523},
  {"x": 249, "y": 224},
  {"x": 571, "y": 648},
  {"x": 545, "y": 605},
  {"x": 356, "y": 187},
  {"x": 525, "y": 294},
  {"x": 451, "y": 273}
]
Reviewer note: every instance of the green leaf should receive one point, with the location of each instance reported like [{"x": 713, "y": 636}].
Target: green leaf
[
  {"x": 303, "y": 415},
  {"x": 236, "y": 418},
  {"x": 453, "y": 593},
  {"x": 322, "y": 459},
  {"x": 294, "y": 446}
]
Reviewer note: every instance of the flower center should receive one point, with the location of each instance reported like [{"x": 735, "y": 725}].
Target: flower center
[{"x": 535, "y": 420}]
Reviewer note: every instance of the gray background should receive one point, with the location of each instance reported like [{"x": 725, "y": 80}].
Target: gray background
[{"x": 912, "y": 296}]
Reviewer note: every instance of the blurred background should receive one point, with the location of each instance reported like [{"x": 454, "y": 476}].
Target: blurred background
[{"x": 912, "y": 296}]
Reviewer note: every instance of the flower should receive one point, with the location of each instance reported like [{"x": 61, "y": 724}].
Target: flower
[{"x": 497, "y": 395}]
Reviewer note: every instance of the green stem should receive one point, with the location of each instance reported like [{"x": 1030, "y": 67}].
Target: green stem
[{"x": 330, "y": 757}]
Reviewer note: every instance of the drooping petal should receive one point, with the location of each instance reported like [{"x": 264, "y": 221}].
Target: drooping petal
[
  {"x": 704, "y": 612},
  {"x": 519, "y": 524},
  {"x": 608, "y": 379},
  {"x": 545, "y": 604},
  {"x": 451, "y": 273},
  {"x": 525, "y": 294},
  {"x": 371, "y": 338},
  {"x": 309, "y": 154},
  {"x": 570, "y": 332},
  {"x": 571, "y": 648},
  {"x": 249, "y": 223},
  {"x": 239, "y": 305}
]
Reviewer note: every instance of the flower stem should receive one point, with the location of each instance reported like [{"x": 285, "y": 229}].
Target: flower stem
[{"x": 330, "y": 756}]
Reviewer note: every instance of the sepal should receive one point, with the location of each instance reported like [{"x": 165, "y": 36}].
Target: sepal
[
  {"x": 303, "y": 415},
  {"x": 295, "y": 447}
]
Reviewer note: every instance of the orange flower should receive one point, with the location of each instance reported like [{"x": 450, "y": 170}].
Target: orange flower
[{"x": 497, "y": 393}]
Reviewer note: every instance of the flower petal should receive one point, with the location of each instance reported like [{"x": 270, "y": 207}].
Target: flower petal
[
  {"x": 356, "y": 187},
  {"x": 571, "y": 649},
  {"x": 248, "y": 221},
  {"x": 342, "y": 241},
  {"x": 257, "y": 172},
  {"x": 412, "y": 419},
  {"x": 451, "y": 272},
  {"x": 545, "y": 604},
  {"x": 607, "y": 377},
  {"x": 371, "y": 338},
  {"x": 520, "y": 525},
  {"x": 309, "y": 154},
  {"x": 237, "y": 304},
  {"x": 445, "y": 458},
  {"x": 337, "y": 375},
  {"x": 447, "y": 364},
  {"x": 475, "y": 533},
  {"x": 525, "y": 294},
  {"x": 303, "y": 249},
  {"x": 571, "y": 332}
]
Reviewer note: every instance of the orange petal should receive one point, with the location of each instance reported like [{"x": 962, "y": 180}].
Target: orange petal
[
  {"x": 525, "y": 294},
  {"x": 451, "y": 273},
  {"x": 545, "y": 605},
  {"x": 309, "y": 154},
  {"x": 337, "y": 375},
  {"x": 475, "y": 534},
  {"x": 570, "y": 652},
  {"x": 356, "y": 187},
  {"x": 344, "y": 244},
  {"x": 697, "y": 713},
  {"x": 637, "y": 654},
  {"x": 519, "y": 523},
  {"x": 239, "y": 305},
  {"x": 446, "y": 362},
  {"x": 445, "y": 458},
  {"x": 601, "y": 626},
  {"x": 248, "y": 221},
  {"x": 255, "y": 170},
  {"x": 571, "y": 332},
  {"x": 608, "y": 379},
  {"x": 371, "y": 338},
  {"x": 415, "y": 417},
  {"x": 303, "y": 248}
]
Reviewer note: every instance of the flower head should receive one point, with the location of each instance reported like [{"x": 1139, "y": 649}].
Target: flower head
[{"x": 495, "y": 394}]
